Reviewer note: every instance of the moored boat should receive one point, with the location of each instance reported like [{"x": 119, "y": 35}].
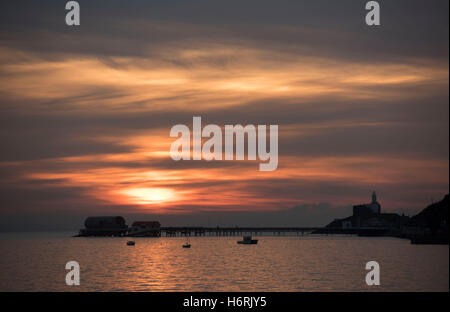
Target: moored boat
[
  {"x": 247, "y": 240},
  {"x": 187, "y": 244}
]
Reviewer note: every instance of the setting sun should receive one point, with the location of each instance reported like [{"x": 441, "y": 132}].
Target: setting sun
[{"x": 149, "y": 195}]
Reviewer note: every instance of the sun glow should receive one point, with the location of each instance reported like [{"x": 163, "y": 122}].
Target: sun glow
[{"x": 146, "y": 196}]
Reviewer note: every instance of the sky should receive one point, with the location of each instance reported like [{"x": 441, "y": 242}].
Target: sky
[{"x": 86, "y": 111}]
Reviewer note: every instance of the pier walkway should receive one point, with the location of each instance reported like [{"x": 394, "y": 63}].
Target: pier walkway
[{"x": 235, "y": 231}]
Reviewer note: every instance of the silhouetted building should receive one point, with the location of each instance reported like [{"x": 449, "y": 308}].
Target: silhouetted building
[
  {"x": 384, "y": 220},
  {"x": 145, "y": 228},
  {"x": 104, "y": 226},
  {"x": 369, "y": 216},
  {"x": 365, "y": 210}
]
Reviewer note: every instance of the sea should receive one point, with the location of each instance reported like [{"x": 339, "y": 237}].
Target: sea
[{"x": 37, "y": 262}]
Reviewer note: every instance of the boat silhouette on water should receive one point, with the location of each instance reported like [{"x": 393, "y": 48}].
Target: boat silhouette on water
[
  {"x": 187, "y": 244},
  {"x": 247, "y": 240},
  {"x": 130, "y": 243}
]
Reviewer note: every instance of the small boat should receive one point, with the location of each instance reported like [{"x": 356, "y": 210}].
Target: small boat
[
  {"x": 187, "y": 244},
  {"x": 130, "y": 243},
  {"x": 247, "y": 240}
]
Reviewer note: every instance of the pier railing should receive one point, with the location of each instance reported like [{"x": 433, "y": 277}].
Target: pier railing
[{"x": 234, "y": 231}]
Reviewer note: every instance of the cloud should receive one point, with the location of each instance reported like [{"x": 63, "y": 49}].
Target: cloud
[{"x": 86, "y": 112}]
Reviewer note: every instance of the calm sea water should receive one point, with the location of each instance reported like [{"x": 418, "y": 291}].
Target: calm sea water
[{"x": 36, "y": 262}]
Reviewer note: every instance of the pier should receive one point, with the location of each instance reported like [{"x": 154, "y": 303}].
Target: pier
[{"x": 235, "y": 231}]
